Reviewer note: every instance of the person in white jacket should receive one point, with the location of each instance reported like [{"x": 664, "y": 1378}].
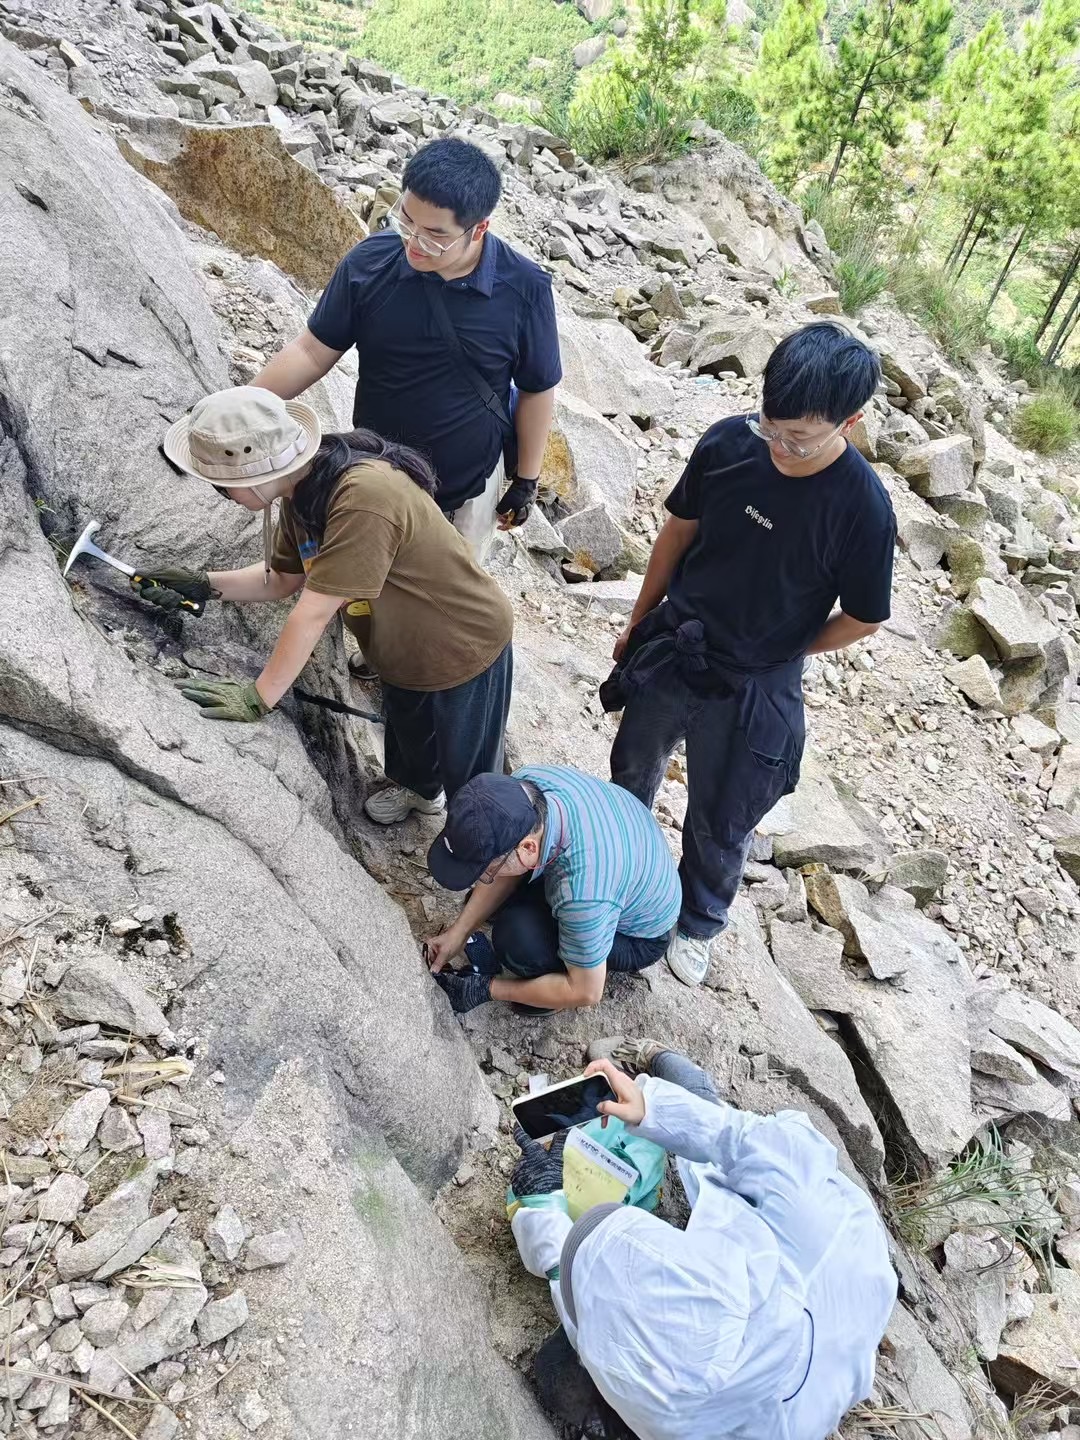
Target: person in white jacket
[{"x": 761, "y": 1319}]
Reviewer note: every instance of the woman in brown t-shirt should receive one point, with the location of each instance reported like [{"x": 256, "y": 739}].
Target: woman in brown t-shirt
[{"x": 358, "y": 531}]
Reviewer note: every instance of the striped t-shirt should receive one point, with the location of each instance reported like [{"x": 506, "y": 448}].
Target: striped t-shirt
[{"x": 605, "y": 864}]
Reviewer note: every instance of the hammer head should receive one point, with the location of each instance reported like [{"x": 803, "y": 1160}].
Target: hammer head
[
  {"x": 82, "y": 544},
  {"x": 85, "y": 546}
]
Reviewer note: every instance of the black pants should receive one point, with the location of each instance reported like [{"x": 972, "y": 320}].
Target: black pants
[
  {"x": 714, "y": 848},
  {"x": 439, "y": 739},
  {"x": 565, "y": 1387},
  {"x": 525, "y": 935}
]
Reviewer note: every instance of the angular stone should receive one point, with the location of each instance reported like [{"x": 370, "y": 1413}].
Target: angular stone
[
  {"x": 940, "y": 467},
  {"x": 1034, "y": 734},
  {"x": 397, "y": 115},
  {"x": 76, "y": 1126},
  {"x": 1065, "y": 791},
  {"x": 135, "y": 1246},
  {"x": 734, "y": 344},
  {"x": 968, "y": 561},
  {"x": 925, "y": 1386},
  {"x": 1038, "y": 1031},
  {"x": 225, "y": 1234},
  {"x": 605, "y": 366},
  {"x": 587, "y": 459},
  {"x": 973, "y": 678},
  {"x": 961, "y": 634},
  {"x": 1014, "y": 621},
  {"x": 818, "y": 824},
  {"x": 1022, "y": 685},
  {"x": 98, "y": 990},
  {"x": 277, "y": 1247},
  {"x": 101, "y": 1323},
  {"x": 990, "y": 1055},
  {"x": 592, "y": 537},
  {"x": 156, "y": 1131},
  {"x": 66, "y": 1338},
  {"x": 968, "y": 511},
  {"x": 221, "y": 1318},
  {"x": 128, "y": 1205},
  {"x": 1002, "y": 497},
  {"x": 811, "y": 960},
  {"x": 117, "y": 1130},
  {"x": 975, "y": 1273},
  {"x": 162, "y": 1425},
  {"x": 242, "y": 184},
  {"x": 251, "y": 1411},
  {"x": 63, "y": 1199},
  {"x": 1044, "y": 1350},
  {"x": 920, "y": 872},
  {"x": 900, "y": 369}
]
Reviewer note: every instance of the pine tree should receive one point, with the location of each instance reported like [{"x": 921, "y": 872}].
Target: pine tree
[
  {"x": 886, "y": 63},
  {"x": 1016, "y": 148},
  {"x": 789, "y": 88}
]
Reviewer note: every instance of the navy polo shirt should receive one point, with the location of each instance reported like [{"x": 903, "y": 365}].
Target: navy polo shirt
[
  {"x": 411, "y": 388},
  {"x": 773, "y": 553}
]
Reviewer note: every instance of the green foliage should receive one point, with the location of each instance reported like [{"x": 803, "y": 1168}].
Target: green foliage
[
  {"x": 645, "y": 102},
  {"x": 729, "y": 109},
  {"x": 1049, "y": 422},
  {"x": 471, "y": 49},
  {"x": 855, "y": 237},
  {"x": 629, "y": 124},
  {"x": 955, "y": 319},
  {"x": 789, "y": 87}
]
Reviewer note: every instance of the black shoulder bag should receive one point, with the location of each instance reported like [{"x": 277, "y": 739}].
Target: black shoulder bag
[{"x": 484, "y": 392}]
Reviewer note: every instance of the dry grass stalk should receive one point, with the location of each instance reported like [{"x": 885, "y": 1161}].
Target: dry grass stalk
[
  {"x": 153, "y": 1273},
  {"x": 138, "y": 1076},
  {"x": 111, "y": 1417},
  {"x": 18, "y": 810}
]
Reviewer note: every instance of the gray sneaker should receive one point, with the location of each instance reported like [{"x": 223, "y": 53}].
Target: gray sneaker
[
  {"x": 688, "y": 958},
  {"x": 392, "y": 805}
]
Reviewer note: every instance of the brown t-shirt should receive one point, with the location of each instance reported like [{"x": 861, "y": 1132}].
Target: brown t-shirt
[{"x": 427, "y": 616}]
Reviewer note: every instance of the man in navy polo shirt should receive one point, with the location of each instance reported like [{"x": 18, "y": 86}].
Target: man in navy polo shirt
[
  {"x": 414, "y": 385},
  {"x": 776, "y": 518}
]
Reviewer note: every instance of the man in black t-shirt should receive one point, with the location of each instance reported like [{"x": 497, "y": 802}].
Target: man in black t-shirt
[{"x": 775, "y": 519}]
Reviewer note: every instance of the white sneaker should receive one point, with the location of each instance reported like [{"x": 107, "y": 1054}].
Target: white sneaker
[
  {"x": 389, "y": 806},
  {"x": 688, "y": 958}
]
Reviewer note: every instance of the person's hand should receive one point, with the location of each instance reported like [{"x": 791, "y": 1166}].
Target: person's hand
[
  {"x": 629, "y": 1104},
  {"x": 619, "y": 648},
  {"x": 225, "y": 699},
  {"x": 465, "y": 992},
  {"x": 513, "y": 509},
  {"x": 539, "y": 1171},
  {"x": 439, "y": 950},
  {"x": 172, "y": 589}
]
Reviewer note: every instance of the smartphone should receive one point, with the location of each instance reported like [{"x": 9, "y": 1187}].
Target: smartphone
[{"x": 572, "y": 1102}]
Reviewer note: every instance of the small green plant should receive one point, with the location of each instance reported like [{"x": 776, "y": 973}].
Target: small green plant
[
  {"x": 631, "y": 125},
  {"x": 955, "y": 319},
  {"x": 1049, "y": 422},
  {"x": 854, "y": 235}
]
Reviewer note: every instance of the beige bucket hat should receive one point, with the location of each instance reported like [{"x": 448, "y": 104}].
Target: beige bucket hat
[{"x": 244, "y": 436}]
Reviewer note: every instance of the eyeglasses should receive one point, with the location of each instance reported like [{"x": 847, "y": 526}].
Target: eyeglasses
[
  {"x": 222, "y": 490},
  {"x": 797, "y": 452},
  {"x": 494, "y": 870},
  {"x": 410, "y": 235}
]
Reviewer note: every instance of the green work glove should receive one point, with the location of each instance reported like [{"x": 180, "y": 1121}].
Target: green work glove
[
  {"x": 175, "y": 589},
  {"x": 225, "y": 699}
]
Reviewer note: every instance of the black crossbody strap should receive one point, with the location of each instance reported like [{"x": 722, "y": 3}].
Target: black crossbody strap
[{"x": 486, "y": 394}]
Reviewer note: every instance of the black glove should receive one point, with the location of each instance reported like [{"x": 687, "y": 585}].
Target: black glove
[
  {"x": 518, "y": 500},
  {"x": 465, "y": 991},
  {"x": 175, "y": 589},
  {"x": 539, "y": 1171}
]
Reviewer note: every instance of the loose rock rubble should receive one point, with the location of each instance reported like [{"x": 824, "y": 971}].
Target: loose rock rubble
[
  {"x": 105, "y": 1265},
  {"x": 903, "y": 961}
]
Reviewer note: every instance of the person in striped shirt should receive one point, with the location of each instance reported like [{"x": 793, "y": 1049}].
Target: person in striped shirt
[{"x": 577, "y": 875}]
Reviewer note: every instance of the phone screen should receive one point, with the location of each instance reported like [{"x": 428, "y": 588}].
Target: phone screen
[{"x": 551, "y": 1110}]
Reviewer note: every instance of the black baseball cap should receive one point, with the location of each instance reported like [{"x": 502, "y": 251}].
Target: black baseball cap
[{"x": 485, "y": 820}]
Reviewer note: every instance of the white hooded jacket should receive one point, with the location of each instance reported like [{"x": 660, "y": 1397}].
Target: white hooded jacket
[{"x": 763, "y": 1317}]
